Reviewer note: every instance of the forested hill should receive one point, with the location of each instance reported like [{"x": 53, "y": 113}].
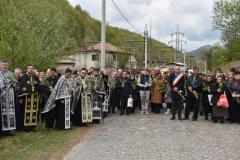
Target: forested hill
[{"x": 43, "y": 31}]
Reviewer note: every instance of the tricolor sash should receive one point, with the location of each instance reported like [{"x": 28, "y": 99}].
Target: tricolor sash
[{"x": 176, "y": 80}]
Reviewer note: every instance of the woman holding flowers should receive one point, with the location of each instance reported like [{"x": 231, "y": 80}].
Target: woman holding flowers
[
  {"x": 157, "y": 89},
  {"x": 217, "y": 89}
]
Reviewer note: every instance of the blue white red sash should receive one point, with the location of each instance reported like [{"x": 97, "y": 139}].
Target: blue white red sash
[{"x": 176, "y": 80}]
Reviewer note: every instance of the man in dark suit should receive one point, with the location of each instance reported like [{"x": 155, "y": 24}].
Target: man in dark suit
[
  {"x": 125, "y": 91},
  {"x": 194, "y": 88},
  {"x": 176, "y": 82}
]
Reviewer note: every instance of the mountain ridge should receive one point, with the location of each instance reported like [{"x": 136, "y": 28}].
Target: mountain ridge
[{"x": 201, "y": 51}]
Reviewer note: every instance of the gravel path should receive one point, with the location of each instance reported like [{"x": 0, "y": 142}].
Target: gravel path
[{"x": 155, "y": 137}]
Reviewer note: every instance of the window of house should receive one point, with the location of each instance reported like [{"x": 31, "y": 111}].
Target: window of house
[{"x": 95, "y": 57}]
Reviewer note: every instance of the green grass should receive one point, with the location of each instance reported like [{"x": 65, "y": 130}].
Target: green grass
[{"x": 43, "y": 144}]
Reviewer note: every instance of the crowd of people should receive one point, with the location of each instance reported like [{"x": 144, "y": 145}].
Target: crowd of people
[{"x": 88, "y": 96}]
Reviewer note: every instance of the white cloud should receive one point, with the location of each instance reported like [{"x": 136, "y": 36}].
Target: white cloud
[{"x": 193, "y": 17}]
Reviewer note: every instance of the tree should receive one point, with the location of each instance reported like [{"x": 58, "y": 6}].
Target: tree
[
  {"x": 234, "y": 50},
  {"x": 32, "y": 33},
  {"x": 226, "y": 19},
  {"x": 42, "y": 32},
  {"x": 122, "y": 60}
]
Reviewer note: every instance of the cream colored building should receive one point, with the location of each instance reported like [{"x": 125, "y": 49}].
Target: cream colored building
[
  {"x": 90, "y": 57},
  {"x": 132, "y": 62}
]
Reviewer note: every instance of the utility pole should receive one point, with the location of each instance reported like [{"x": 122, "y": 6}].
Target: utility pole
[
  {"x": 177, "y": 40},
  {"x": 205, "y": 64},
  {"x": 184, "y": 57},
  {"x": 103, "y": 35},
  {"x": 146, "y": 46},
  {"x": 191, "y": 61},
  {"x": 150, "y": 46}
]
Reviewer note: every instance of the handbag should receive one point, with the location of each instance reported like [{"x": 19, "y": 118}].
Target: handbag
[
  {"x": 223, "y": 102},
  {"x": 210, "y": 98},
  {"x": 130, "y": 102}
]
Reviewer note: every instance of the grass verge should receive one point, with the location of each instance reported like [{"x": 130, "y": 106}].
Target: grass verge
[{"x": 41, "y": 145}]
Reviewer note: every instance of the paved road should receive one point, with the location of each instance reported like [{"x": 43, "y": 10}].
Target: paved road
[{"x": 155, "y": 137}]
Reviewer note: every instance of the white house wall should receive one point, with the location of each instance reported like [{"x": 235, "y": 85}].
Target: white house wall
[{"x": 84, "y": 60}]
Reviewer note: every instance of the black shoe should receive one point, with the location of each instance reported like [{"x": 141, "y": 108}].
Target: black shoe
[
  {"x": 185, "y": 118},
  {"x": 173, "y": 118},
  {"x": 222, "y": 121},
  {"x": 121, "y": 114},
  {"x": 33, "y": 130},
  {"x": 180, "y": 119},
  {"x": 194, "y": 119},
  {"x": 26, "y": 130},
  {"x": 206, "y": 118},
  {"x": 8, "y": 133},
  {"x": 84, "y": 125}
]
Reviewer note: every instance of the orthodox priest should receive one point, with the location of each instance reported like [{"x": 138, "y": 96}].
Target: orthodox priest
[
  {"x": 7, "y": 105},
  {"x": 60, "y": 99},
  {"x": 108, "y": 83},
  {"x": 82, "y": 112},
  {"x": 73, "y": 83},
  {"x": 28, "y": 100},
  {"x": 51, "y": 81},
  {"x": 98, "y": 91}
]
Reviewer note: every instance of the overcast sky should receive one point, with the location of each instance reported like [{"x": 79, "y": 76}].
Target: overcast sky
[{"x": 193, "y": 17}]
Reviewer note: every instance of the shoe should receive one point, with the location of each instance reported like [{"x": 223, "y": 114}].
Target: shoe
[
  {"x": 173, "y": 118},
  {"x": 167, "y": 112},
  {"x": 121, "y": 113},
  {"x": 142, "y": 112},
  {"x": 26, "y": 130},
  {"x": 185, "y": 118},
  {"x": 8, "y": 133},
  {"x": 83, "y": 125},
  {"x": 194, "y": 119},
  {"x": 222, "y": 121},
  {"x": 206, "y": 118},
  {"x": 146, "y": 112},
  {"x": 180, "y": 119}
]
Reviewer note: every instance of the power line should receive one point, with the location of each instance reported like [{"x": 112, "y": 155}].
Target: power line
[{"x": 125, "y": 17}]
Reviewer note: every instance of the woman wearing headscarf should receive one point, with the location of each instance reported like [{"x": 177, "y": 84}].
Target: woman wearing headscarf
[
  {"x": 157, "y": 89},
  {"x": 217, "y": 89}
]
